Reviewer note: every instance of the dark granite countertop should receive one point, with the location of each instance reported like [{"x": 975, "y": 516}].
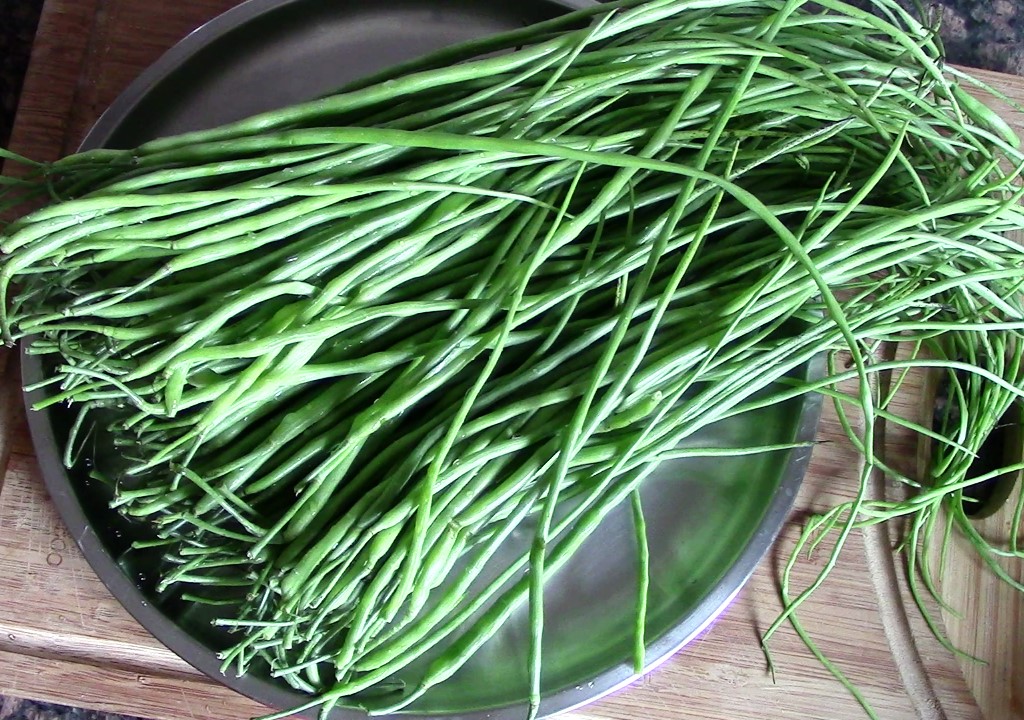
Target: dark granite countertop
[
  {"x": 985, "y": 34},
  {"x": 15, "y": 709},
  {"x": 18, "y": 19}
]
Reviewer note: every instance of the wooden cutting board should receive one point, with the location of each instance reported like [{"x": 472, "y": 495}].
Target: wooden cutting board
[{"x": 63, "y": 637}]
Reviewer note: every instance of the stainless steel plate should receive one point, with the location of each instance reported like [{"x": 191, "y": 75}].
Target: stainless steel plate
[{"x": 710, "y": 521}]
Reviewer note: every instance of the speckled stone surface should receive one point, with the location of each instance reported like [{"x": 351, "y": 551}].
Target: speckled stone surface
[
  {"x": 986, "y": 34},
  {"x": 12, "y": 709},
  {"x": 18, "y": 19}
]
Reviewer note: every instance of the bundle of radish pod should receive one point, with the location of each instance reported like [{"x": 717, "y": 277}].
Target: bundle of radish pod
[{"x": 343, "y": 350}]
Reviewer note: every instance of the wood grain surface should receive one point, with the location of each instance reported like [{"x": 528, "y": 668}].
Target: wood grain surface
[{"x": 63, "y": 637}]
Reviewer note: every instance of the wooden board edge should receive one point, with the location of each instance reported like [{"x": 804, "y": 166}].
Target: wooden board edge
[{"x": 87, "y": 685}]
